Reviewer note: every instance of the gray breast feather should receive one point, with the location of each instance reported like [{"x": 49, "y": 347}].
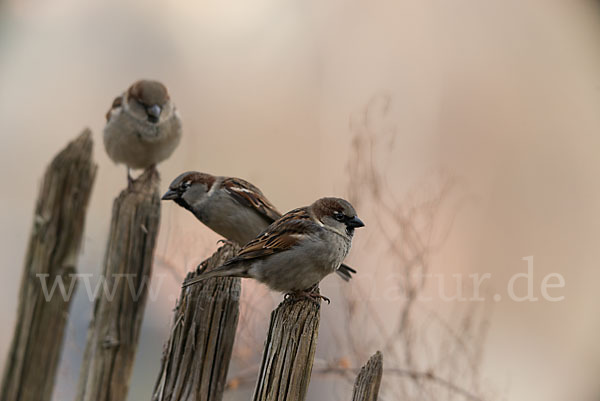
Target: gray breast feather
[{"x": 302, "y": 266}]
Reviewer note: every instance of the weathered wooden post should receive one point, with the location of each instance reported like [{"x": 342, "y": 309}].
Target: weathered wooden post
[
  {"x": 114, "y": 330},
  {"x": 366, "y": 386},
  {"x": 289, "y": 352},
  {"x": 196, "y": 357},
  {"x": 54, "y": 245}
]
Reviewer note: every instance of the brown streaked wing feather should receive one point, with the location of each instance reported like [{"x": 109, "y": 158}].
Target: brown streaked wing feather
[
  {"x": 279, "y": 236},
  {"x": 249, "y": 195},
  {"x": 116, "y": 103}
]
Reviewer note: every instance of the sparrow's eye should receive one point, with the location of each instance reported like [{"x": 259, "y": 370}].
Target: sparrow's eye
[
  {"x": 186, "y": 185},
  {"x": 339, "y": 216}
]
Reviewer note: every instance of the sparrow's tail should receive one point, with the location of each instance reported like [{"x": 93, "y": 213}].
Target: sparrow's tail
[
  {"x": 235, "y": 270},
  {"x": 345, "y": 272}
]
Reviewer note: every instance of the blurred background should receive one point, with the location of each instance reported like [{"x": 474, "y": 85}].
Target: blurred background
[{"x": 465, "y": 131}]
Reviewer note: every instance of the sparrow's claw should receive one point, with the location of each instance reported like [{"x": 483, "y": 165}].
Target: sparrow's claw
[
  {"x": 225, "y": 242},
  {"x": 319, "y": 296},
  {"x": 310, "y": 295}
]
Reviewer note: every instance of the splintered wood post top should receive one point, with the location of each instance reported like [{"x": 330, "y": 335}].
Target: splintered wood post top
[
  {"x": 114, "y": 330},
  {"x": 197, "y": 354},
  {"x": 366, "y": 386},
  {"x": 54, "y": 245},
  {"x": 289, "y": 352}
]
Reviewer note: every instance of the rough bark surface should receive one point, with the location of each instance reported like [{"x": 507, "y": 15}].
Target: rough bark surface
[
  {"x": 196, "y": 356},
  {"x": 366, "y": 386},
  {"x": 289, "y": 352},
  {"x": 54, "y": 245},
  {"x": 114, "y": 330}
]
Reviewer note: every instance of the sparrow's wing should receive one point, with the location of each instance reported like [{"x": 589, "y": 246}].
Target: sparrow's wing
[
  {"x": 250, "y": 196},
  {"x": 280, "y": 236},
  {"x": 115, "y": 104}
]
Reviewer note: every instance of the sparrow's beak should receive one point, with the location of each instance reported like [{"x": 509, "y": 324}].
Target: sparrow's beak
[
  {"x": 355, "y": 222},
  {"x": 170, "y": 195},
  {"x": 154, "y": 112}
]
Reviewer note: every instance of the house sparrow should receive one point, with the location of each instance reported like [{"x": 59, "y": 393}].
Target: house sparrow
[
  {"x": 231, "y": 207},
  {"x": 143, "y": 126},
  {"x": 298, "y": 250}
]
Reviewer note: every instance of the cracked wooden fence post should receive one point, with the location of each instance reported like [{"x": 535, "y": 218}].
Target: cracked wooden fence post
[
  {"x": 196, "y": 356},
  {"x": 289, "y": 352},
  {"x": 118, "y": 309},
  {"x": 54, "y": 245},
  {"x": 366, "y": 386}
]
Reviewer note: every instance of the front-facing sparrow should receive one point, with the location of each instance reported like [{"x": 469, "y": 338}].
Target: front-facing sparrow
[{"x": 143, "y": 127}]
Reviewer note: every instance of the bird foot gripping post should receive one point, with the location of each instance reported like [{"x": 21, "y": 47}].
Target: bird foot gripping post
[{"x": 312, "y": 294}]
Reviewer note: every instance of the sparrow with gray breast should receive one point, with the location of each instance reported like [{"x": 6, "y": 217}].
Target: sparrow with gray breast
[
  {"x": 231, "y": 207},
  {"x": 298, "y": 250},
  {"x": 143, "y": 127}
]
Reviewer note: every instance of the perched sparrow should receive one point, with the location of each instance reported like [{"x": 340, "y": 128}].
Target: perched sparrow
[
  {"x": 142, "y": 127},
  {"x": 298, "y": 250},
  {"x": 231, "y": 207}
]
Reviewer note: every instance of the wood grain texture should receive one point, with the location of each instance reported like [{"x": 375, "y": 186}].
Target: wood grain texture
[
  {"x": 196, "y": 356},
  {"x": 114, "y": 330},
  {"x": 54, "y": 245},
  {"x": 289, "y": 352},
  {"x": 366, "y": 386}
]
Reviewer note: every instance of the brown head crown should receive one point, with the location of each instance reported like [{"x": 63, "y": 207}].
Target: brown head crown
[
  {"x": 192, "y": 177},
  {"x": 332, "y": 206},
  {"x": 149, "y": 93},
  {"x": 337, "y": 211},
  {"x": 152, "y": 96}
]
